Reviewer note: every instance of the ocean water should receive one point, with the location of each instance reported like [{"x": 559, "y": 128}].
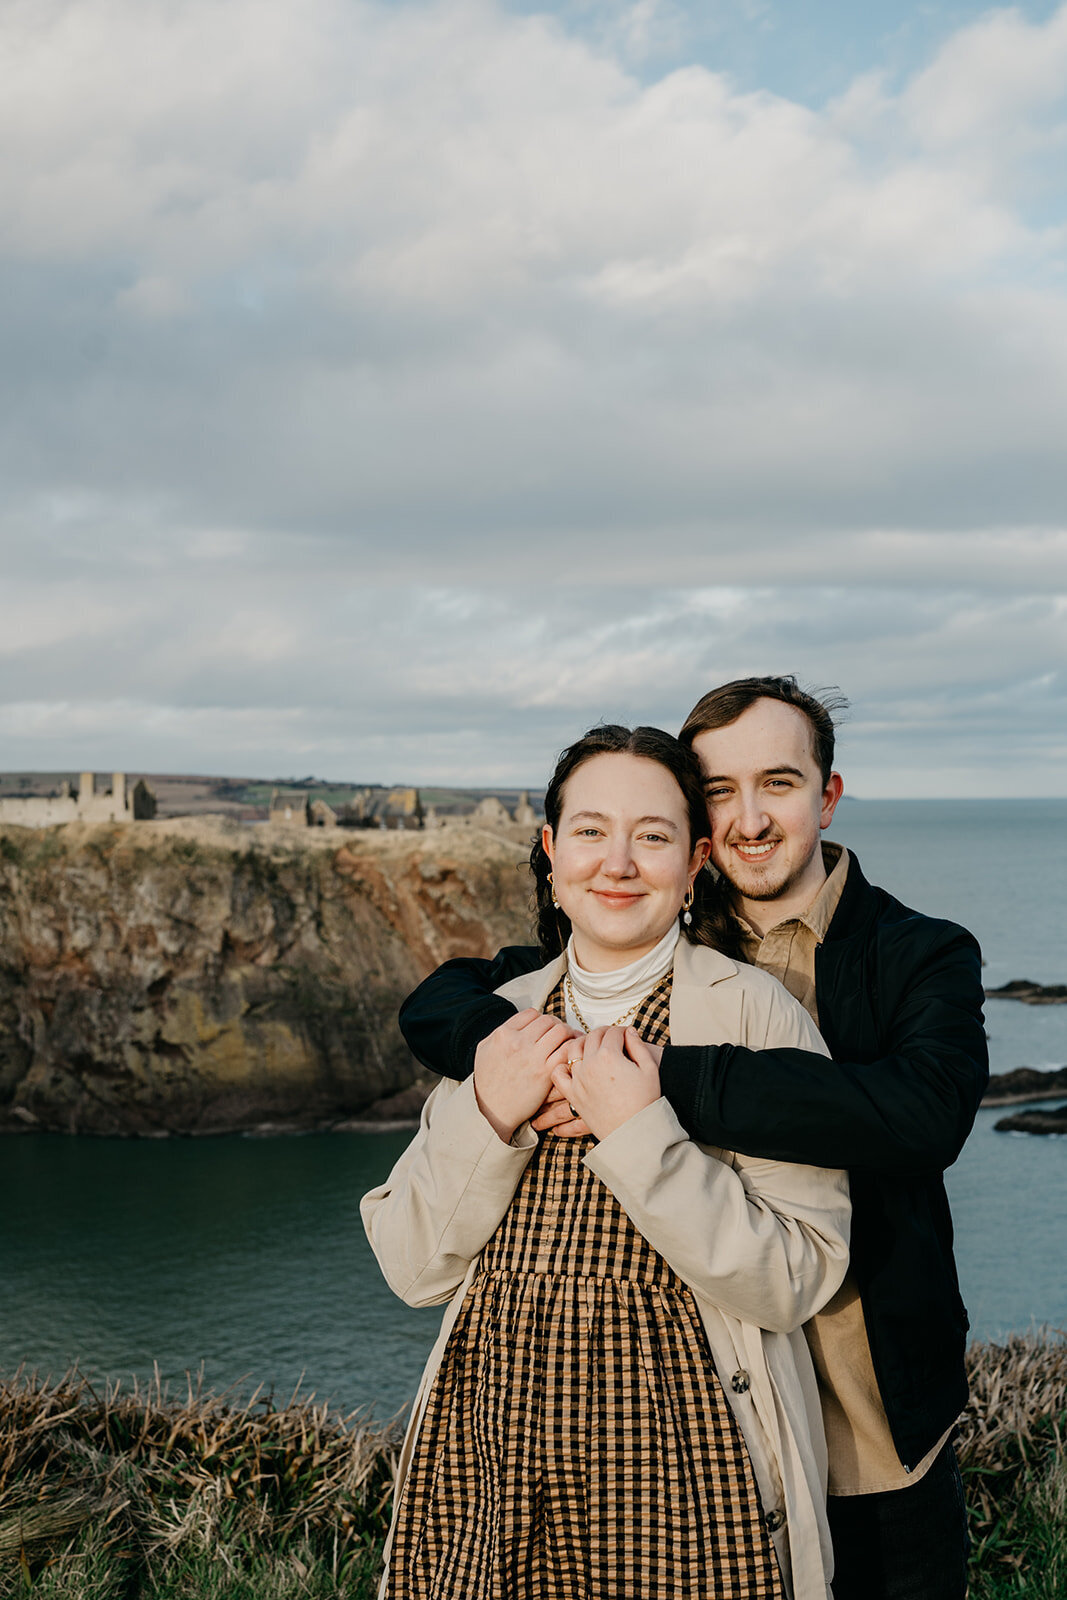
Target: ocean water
[
  {"x": 1000, "y": 868},
  {"x": 245, "y": 1258}
]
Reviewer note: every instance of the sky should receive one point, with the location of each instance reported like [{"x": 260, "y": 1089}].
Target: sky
[{"x": 390, "y": 391}]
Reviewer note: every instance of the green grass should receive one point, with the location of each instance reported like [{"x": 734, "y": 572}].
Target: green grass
[
  {"x": 96, "y": 1570},
  {"x": 1025, "y": 1554},
  {"x": 138, "y": 1496},
  {"x": 1032, "y": 1560}
]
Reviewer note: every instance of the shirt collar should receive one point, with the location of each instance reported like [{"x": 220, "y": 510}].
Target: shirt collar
[{"x": 819, "y": 914}]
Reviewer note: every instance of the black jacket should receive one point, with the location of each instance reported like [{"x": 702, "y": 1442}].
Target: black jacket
[{"x": 900, "y": 1006}]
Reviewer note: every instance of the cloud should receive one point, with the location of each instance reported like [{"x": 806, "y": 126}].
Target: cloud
[
  {"x": 413, "y": 375},
  {"x": 469, "y": 685},
  {"x": 1001, "y": 78}
]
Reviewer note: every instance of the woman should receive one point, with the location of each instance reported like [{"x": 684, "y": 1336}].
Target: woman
[{"x": 620, "y": 1403}]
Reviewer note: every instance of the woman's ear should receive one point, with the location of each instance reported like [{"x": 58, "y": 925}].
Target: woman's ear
[
  {"x": 548, "y": 844},
  {"x": 701, "y": 852}
]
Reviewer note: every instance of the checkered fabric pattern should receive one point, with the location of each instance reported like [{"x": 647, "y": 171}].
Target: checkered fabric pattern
[{"x": 577, "y": 1443}]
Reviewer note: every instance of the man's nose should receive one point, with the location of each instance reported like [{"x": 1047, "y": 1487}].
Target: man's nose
[{"x": 752, "y": 819}]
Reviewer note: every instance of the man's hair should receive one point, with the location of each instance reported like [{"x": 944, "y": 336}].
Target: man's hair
[{"x": 719, "y": 707}]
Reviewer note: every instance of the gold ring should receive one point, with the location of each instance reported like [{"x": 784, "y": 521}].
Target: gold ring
[{"x": 573, "y": 1061}]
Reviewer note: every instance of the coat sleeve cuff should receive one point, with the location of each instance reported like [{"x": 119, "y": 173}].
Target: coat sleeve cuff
[
  {"x": 466, "y": 1127},
  {"x": 679, "y": 1077},
  {"x": 472, "y": 1029},
  {"x": 633, "y": 1153}
]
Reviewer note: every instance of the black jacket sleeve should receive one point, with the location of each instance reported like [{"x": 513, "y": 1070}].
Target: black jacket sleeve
[
  {"x": 906, "y": 1109},
  {"x": 454, "y": 1009}
]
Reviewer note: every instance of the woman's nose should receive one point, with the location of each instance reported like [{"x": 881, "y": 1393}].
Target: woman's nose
[{"x": 619, "y": 859}]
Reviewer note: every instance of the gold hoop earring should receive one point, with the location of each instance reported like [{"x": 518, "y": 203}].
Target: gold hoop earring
[
  {"x": 687, "y": 906},
  {"x": 552, "y": 886}
]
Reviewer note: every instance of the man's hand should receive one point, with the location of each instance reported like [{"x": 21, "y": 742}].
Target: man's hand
[
  {"x": 513, "y": 1068},
  {"x": 617, "y": 1076}
]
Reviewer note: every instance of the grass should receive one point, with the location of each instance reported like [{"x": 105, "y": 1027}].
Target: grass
[
  {"x": 1011, "y": 1451},
  {"x": 135, "y": 1495}
]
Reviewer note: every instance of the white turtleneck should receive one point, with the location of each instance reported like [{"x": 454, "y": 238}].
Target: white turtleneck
[{"x": 606, "y": 996}]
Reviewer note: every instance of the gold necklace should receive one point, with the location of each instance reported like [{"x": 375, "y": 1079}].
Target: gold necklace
[{"x": 573, "y": 1003}]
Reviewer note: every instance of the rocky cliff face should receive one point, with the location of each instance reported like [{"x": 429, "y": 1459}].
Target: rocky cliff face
[{"x": 199, "y": 977}]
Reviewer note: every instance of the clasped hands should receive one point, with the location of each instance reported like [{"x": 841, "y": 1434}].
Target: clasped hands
[{"x": 537, "y": 1069}]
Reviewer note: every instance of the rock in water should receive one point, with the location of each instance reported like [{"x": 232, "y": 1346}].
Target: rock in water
[
  {"x": 1031, "y": 994},
  {"x": 1025, "y": 1084},
  {"x": 1034, "y": 1122}
]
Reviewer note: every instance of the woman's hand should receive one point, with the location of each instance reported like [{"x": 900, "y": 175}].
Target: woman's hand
[
  {"x": 617, "y": 1076},
  {"x": 513, "y": 1068},
  {"x": 556, "y": 1115}
]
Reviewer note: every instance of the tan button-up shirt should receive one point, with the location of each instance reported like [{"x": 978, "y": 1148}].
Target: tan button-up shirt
[{"x": 862, "y": 1456}]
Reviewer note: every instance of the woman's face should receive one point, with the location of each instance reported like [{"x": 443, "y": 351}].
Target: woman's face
[{"x": 621, "y": 859}]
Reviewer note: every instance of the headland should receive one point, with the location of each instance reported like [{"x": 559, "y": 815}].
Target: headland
[{"x": 195, "y": 975}]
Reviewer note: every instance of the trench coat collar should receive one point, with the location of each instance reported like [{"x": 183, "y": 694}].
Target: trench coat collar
[{"x": 696, "y": 968}]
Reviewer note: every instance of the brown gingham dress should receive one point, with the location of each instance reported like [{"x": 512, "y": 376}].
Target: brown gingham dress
[{"x": 577, "y": 1443}]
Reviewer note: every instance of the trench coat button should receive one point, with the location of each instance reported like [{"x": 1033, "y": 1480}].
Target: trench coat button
[
  {"x": 774, "y": 1519},
  {"x": 740, "y": 1381}
]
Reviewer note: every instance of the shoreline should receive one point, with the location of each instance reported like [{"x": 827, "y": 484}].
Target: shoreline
[{"x": 992, "y": 1102}]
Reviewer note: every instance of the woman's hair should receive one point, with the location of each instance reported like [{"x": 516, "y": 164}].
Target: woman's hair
[{"x": 712, "y": 922}]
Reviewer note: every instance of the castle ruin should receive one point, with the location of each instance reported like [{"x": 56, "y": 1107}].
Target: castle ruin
[{"x": 86, "y": 804}]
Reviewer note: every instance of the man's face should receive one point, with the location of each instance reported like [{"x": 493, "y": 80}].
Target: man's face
[{"x": 767, "y": 803}]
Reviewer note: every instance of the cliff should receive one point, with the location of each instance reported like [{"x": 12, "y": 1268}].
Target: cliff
[{"x": 196, "y": 976}]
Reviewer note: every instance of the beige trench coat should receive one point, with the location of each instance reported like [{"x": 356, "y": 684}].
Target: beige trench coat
[{"x": 763, "y": 1244}]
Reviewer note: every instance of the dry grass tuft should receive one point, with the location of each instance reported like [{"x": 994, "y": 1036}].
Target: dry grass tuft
[
  {"x": 1011, "y": 1451},
  {"x": 159, "y": 1478}
]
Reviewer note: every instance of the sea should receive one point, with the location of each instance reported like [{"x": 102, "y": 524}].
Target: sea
[{"x": 240, "y": 1263}]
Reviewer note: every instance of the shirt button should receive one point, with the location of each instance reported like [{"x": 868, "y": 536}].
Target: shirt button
[
  {"x": 774, "y": 1520},
  {"x": 740, "y": 1381}
]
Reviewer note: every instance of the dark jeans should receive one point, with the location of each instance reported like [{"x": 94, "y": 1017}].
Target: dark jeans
[{"x": 906, "y": 1544}]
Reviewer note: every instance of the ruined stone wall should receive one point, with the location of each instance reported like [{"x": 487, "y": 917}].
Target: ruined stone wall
[
  {"x": 38, "y": 811},
  {"x": 88, "y": 805}
]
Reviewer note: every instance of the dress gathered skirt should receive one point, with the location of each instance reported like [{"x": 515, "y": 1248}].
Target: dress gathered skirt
[{"x": 577, "y": 1443}]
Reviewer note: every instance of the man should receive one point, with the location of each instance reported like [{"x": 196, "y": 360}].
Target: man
[{"x": 898, "y": 997}]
